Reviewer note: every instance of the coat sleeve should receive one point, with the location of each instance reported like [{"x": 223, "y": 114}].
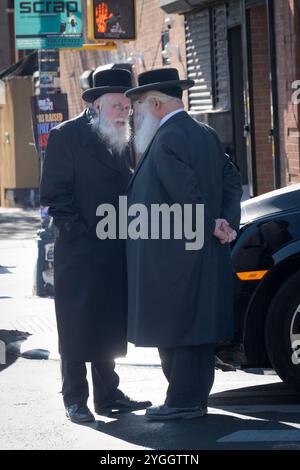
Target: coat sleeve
[
  {"x": 232, "y": 187},
  {"x": 232, "y": 194},
  {"x": 57, "y": 187},
  {"x": 179, "y": 179}
]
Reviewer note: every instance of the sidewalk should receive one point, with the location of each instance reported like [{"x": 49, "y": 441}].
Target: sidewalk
[{"x": 22, "y": 311}]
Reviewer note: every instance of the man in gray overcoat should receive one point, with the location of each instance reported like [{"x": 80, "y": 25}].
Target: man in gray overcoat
[
  {"x": 86, "y": 165},
  {"x": 180, "y": 299}
]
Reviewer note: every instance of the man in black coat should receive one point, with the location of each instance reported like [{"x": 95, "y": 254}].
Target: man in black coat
[
  {"x": 179, "y": 297},
  {"x": 86, "y": 165}
]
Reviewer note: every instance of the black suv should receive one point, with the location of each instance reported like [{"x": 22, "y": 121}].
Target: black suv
[{"x": 266, "y": 261}]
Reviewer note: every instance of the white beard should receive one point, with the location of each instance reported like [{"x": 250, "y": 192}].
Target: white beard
[
  {"x": 115, "y": 138},
  {"x": 147, "y": 130}
]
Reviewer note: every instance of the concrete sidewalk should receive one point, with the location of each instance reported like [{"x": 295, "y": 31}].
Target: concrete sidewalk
[{"x": 20, "y": 310}]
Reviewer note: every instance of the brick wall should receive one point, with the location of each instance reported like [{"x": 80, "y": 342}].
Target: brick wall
[
  {"x": 151, "y": 24},
  {"x": 261, "y": 99},
  {"x": 282, "y": 85},
  {"x": 288, "y": 61}
]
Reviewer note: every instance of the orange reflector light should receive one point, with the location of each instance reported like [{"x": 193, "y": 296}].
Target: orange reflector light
[{"x": 251, "y": 276}]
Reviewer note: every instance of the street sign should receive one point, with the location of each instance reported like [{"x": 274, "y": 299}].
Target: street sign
[
  {"x": 110, "y": 20},
  {"x": 47, "y": 24}
]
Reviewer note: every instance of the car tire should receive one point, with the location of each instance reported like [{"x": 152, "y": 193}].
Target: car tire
[{"x": 283, "y": 321}]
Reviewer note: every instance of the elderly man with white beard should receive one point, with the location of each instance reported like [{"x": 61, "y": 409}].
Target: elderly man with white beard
[
  {"x": 86, "y": 165},
  {"x": 179, "y": 299}
]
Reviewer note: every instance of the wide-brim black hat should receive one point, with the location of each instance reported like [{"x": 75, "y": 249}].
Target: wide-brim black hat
[
  {"x": 165, "y": 80},
  {"x": 108, "y": 81}
]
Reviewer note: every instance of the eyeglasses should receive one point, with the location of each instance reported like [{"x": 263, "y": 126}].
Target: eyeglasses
[{"x": 120, "y": 108}]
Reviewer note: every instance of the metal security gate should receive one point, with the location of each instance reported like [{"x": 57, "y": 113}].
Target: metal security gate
[
  {"x": 207, "y": 54},
  {"x": 198, "y": 58},
  {"x": 207, "y": 59}
]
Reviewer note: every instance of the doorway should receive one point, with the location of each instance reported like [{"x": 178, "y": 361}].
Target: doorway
[{"x": 258, "y": 94}]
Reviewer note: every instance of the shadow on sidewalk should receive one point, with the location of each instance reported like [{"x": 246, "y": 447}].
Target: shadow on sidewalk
[
  {"x": 277, "y": 393},
  {"x": 215, "y": 430},
  {"x": 19, "y": 224},
  {"x": 6, "y": 270}
]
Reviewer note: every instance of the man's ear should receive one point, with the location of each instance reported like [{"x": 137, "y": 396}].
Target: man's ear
[
  {"x": 158, "y": 105},
  {"x": 97, "y": 108}
]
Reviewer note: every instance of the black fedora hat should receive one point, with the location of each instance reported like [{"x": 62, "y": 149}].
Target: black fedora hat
[
  {"x": 165, "y": 80},
  {"x": 108, "y": 81}
]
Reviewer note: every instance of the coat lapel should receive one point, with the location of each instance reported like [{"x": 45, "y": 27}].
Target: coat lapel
[
  {"x": 172, "y": 120},
  {"x": 140, "y": 163}
]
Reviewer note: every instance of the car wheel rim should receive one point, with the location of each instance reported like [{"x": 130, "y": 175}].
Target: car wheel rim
[{"x": 295, "y": 336}]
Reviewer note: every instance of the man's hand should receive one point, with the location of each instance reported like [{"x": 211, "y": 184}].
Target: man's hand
[{"x": 224, "y": 232}]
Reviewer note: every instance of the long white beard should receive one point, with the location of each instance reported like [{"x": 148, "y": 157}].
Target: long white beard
[
  {"x": 115, "y": 138},
  {"x": 145, "y": 133}
]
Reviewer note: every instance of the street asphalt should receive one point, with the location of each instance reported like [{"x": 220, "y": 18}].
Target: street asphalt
[{"x": 246, "y": 410}]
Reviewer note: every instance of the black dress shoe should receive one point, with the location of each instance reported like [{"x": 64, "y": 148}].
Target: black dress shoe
[
  {"x": 121, "y": 404},
  {"x": 79, "y": 414}
]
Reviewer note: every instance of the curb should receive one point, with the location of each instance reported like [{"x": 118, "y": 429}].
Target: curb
[
  {"x": 30, "y": 347},
  {"x": 44, "y": 347}
]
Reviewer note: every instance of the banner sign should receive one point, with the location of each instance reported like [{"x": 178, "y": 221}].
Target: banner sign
[
  {"x": 48, "y": 24},
  {"x": 47, "y": 112}
]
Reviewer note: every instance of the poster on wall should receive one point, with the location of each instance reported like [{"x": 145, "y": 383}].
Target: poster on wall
[{"x": 47, "y": 112}]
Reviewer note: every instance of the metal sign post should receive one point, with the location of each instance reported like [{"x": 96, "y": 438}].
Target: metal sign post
[
  {"x": 49, "y": 77},
  {"x": 47, "y": 26},
  {"x": 49, "y": 84}
]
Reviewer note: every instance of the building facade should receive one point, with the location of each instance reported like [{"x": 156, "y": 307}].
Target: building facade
[
  {"x": 242, "y": 55},
  {"x": 19, "y": 162}
]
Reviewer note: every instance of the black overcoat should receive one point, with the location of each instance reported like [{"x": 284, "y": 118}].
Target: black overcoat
[
  {"x": 178, "y": 297},
  {"x": 90, "y": 275}
]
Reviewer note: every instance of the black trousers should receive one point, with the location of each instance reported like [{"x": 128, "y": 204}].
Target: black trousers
[
  {"x": 190, "y": 372},
  {"x": 75, "y": 387}
]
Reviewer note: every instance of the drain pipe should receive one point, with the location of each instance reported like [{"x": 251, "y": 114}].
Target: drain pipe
[{"x": 275, "y": 130}]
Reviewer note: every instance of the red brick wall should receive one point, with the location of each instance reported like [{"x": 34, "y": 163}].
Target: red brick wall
[
  {"x": 288, "y": 61},
  {"x": 282, "y": 84},
  {"x": 261, "y": 99},
  {"x": 150, "y": 26}
]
